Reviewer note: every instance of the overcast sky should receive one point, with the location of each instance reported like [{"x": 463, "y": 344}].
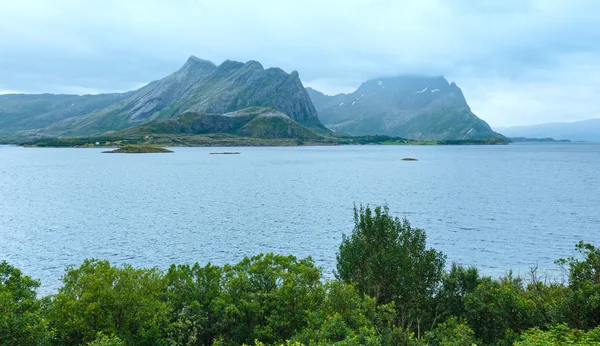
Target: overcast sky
[{"x": 518, "y": 62}]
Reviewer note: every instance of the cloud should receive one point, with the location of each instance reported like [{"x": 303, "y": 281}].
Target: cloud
[{"x": 518, "y": 62}]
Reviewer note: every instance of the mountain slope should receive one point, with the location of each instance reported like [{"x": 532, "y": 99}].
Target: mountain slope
[
  {"x": 256, "y": 122},
  {"x": 423, "y": 108},
  {"x": 198, "y": 86},
  {"x": 202, "y": 87},
  {"x": 235, "y": 86},
  {"x": 586, "y": 130},
  {"x": 26, "y": 112}
]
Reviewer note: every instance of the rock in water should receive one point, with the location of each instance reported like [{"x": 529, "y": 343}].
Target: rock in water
[{"x": 138, "y": 149}]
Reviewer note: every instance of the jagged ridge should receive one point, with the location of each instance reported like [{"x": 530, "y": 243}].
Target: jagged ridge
[{"x": 198, "y": 86}]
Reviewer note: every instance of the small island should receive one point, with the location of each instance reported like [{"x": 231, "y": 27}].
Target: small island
[
  {"x": 138, "y": 149},
  {"x": 226, "y": 153},
  {"x": 409, "y": 159}
]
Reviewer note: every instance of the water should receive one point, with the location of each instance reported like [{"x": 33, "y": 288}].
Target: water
[{"x": 495, "y": 207}]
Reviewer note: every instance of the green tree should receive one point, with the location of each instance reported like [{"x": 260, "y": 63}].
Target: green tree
[
  {"x": 453, "y": 332},
  {"x": 499, "y": 310},
  {"x": 388, "y": 260},
  {"x": 582, "y": 309},
  {"x": 559, "y": 335},
  {"x": 99, "y": 298},
  {"x": 345, "y": 317},
  {"x": 21, "y": 320},
  {"x": 456, "y": 284},
  {"x": 268, "y": 298},
  {"x": 104, "y": 340},
  {"x": 192, "y": 292}
]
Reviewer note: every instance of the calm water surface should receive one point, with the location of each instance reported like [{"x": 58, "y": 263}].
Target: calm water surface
[{"x": 496, "y": 207}]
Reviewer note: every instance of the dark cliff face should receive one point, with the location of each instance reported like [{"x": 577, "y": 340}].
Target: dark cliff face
[{"x": 424, "y": 108}]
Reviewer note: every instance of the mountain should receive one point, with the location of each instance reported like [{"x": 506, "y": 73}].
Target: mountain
[
  {"x": 586, "y": 130},
  {"x": 26, "y": 112},
  {"x": 423, "y": 108},
  {"x": 198, "y": 86},
  {"x": 255, "y": 122}
]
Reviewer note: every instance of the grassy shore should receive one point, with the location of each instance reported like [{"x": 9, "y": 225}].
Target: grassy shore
[{"x": 228, "y": 140}]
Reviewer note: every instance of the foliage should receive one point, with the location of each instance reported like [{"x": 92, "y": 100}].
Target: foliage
[
  {"x": 121, "y": 301},
  {"x": 456, "y": 284},
  {"x": 388, "y": 260},
  {"x": 453, "y": 332},
  {"x": 560, "y": 335},
  {"x": 192, "y": 292},
  {"x": 103, "y": 340},
  {"x": 347, "y": 318},
  {"x": 583, "y": 299},
  {"x": 500, "y": 309},
  {"x": 21, "y": 320},
  {"x": 391, "y": 290},
  {"x": 268, "y": 297}
]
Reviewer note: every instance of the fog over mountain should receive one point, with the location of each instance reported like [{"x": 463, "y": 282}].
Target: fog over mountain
[{"x": 418, "y": 107}]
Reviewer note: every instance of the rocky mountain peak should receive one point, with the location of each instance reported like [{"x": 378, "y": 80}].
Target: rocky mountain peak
[
  {"x": 253, "y": 64},
  {"x": 194, "y": 62},
  {"x": 198, "y": 86}
]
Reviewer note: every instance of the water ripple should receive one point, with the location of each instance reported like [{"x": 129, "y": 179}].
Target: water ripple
[{"x": 494, "y": 207}]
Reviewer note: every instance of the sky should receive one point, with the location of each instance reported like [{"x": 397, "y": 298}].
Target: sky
[{"x": 518, "y": 62}]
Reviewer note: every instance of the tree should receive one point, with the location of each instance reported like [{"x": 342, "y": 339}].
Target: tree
[
  {"x": 559, "y": 335},
  {"x": 345, "y": 317},
  {"x": 388, "y": 260},
  {"x": 499, "y": 310},
  {"x": 121, "y": 301},
  {"x": 192, "y": 292},
  {"x": 453, "y": 332},
  {"x": 104, "y": 340},
  {"x": 582, "y": 308},
  {"x": 456, "y": 284},
  {"x": 268, "y": 298},
  {"x": 21, "y": 320}
]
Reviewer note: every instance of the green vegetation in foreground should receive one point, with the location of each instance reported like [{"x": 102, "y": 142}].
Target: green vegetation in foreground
[
  {"x": 389, "y": 289},
  {"x": 138, "y": 149}
]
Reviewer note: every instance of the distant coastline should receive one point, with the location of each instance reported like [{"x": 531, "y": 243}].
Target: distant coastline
[
  {"x": 226, "y": 140},
  {"x": 538, "y": 140}
]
